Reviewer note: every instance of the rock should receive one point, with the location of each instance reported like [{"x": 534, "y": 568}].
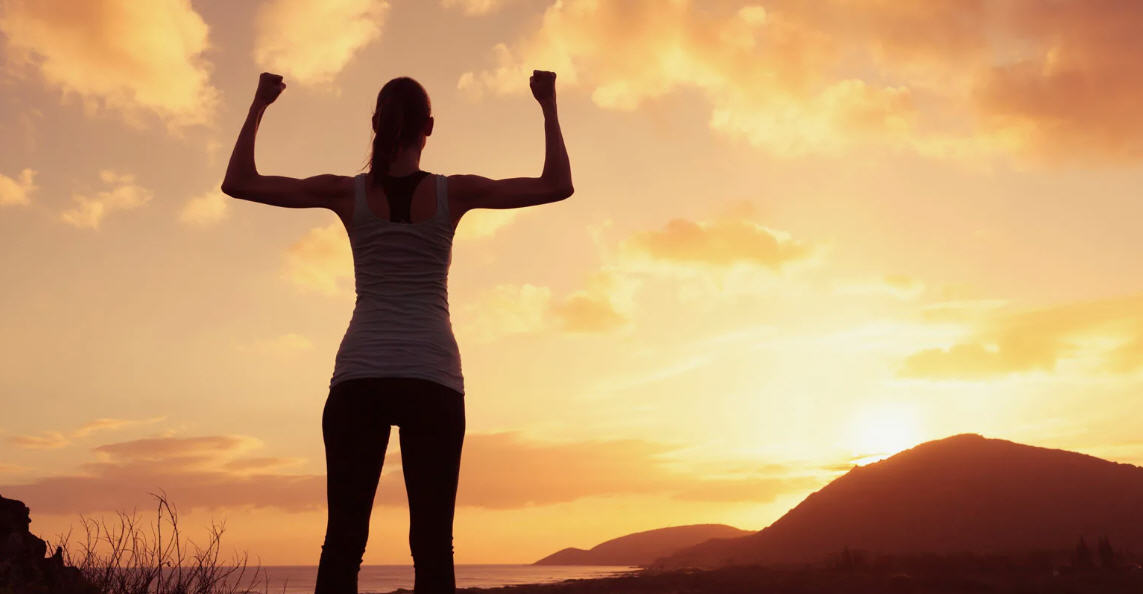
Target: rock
[{"x": 23, "y": 567}]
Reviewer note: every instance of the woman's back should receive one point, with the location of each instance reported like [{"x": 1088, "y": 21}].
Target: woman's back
[{"x": 401, "y": 325}]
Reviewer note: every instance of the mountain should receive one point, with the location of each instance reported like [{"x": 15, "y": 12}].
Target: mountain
[
  {"x": 964, "y": 493},
  {"x": 641, "y": 548}
]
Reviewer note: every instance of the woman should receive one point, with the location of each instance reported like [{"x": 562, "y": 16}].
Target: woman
[{"x": 398, "y": 363}]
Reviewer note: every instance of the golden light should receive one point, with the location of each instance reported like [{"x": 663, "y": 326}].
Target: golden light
[{"x": 881, "y": 430}]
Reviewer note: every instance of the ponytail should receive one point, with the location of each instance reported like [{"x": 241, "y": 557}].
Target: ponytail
[{"x": 402, "y": 110}]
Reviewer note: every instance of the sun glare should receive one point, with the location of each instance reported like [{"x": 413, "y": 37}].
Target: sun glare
[{"x": 880, "y": 431}]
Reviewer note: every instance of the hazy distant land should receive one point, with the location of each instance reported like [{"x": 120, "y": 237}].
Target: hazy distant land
[{"x": 961, "y": 514}]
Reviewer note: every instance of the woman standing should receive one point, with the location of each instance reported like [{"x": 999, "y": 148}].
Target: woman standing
[{"x": 398, "y": 363}]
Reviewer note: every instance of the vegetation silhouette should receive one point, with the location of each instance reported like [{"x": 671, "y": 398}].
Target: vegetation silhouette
[{"x": 122, "y": 556}]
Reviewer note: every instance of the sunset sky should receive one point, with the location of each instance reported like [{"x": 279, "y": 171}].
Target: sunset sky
[{"x": 804, "y": 235}]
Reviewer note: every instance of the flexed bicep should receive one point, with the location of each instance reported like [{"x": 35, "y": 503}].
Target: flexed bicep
[
  {"x": 476, "y": 191},
  {"x": 324, "y": 190}
]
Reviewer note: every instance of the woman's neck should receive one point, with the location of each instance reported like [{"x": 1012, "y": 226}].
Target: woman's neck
[{"x": 406, "y": 161}]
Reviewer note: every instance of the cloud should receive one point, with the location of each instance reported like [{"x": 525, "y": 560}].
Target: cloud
[
  {"x": 1011, "y": 340},
  {"x": 603, "y": 305},
  {"x": 720, "y": 243},
  {"x": 901, "y": 286},
  {"x": 16, "y": 191},
  {"x": 205, "y": 209},
  {"x": 506, "y": 310},
  {"x": 124, "y": 194},
  {"x": 311, "y": 42},
  {"x": 196, "y": 472},
  {"x": 127, "y": 56},
  {"x": 482, "y": 223},
  {"x": 583, "y": 312},
  {"x": 1076, "y": 89},
  {"x": 507, "y": 470},
  {"x": 476, "y": 6},
  {"x": 50, "y": 440},
  {"x": 321, "y": 261},
  {"x": 946, "y": 77},
  {"x": 718, "y": 255},
  {"x": 168, "y": 449},
  {"x": 107, "y": 424},
  {"x": 500, "y": 471},
  {"x": 765, "y": 77}
]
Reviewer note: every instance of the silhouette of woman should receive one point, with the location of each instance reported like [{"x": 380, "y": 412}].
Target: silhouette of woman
[{"x": 398, "y": 363}]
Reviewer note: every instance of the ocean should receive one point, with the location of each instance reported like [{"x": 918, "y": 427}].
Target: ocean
[{"x": 375, "y": 579}]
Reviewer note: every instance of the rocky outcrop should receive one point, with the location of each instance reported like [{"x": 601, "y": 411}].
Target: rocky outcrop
[{"x": 24, "y": 568}]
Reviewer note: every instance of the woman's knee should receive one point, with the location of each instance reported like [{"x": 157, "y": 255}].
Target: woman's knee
[{"x": 432, "y": 544}]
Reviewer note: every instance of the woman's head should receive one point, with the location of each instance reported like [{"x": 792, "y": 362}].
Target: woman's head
[{"x": 402, "y": 118}]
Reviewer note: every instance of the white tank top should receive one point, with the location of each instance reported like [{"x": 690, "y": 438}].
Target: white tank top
[{"x": 400, "y": 325}]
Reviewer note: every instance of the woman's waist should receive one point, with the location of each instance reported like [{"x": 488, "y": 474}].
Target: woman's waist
[{"x": 386, "y": 325}]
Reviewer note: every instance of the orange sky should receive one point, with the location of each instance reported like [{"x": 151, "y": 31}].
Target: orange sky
[{"x": 803, "y": 235}]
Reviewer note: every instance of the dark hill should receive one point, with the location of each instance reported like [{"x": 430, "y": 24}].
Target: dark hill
[
  {"x": 964, "y": 493},
  {"x": 641, "y": 548}
]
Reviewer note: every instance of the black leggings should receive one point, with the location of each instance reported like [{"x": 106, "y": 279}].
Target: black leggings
[{"x": 355, "y": 427}]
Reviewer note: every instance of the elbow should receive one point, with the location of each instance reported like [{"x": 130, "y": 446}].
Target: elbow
[
  {"x": 233, "y": 189},
  {"x": 564, "y": 192}
]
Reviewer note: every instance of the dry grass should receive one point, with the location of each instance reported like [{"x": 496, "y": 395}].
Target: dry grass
[{"x": 127, "y": 556}]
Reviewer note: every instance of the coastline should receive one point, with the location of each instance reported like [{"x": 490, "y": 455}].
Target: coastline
[{"x": 941, "y": 579}]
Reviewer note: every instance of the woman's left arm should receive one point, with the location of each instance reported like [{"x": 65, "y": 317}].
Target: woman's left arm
[{"x": 242, "y": 177}]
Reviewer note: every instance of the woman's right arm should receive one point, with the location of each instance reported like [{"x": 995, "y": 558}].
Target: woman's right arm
[{"x": 554, "y": 183}]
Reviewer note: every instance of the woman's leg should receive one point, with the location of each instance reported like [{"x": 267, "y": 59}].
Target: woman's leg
[
  {"x": 431, "y": 438},
  {"x": 355, "y": 429}
]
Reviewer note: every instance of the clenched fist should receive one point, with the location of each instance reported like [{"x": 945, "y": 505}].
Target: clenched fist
[
  {"x": 543, "y": 83},
  {"x": 269, "y": 87}
]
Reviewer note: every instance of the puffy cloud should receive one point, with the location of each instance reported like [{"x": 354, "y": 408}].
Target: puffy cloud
[
  {"x": 124, "y": 194},
  {"x": 603, "y": 305},
  {"x": 1038, "y": 340},
  {"x": 16, "y": 191},
  {"x": 204, "y": 209},
  {"x": 720, "y": 243},
  {"x": 321, "y": 261},
  {"x": 500, "y": 471},
  {"x": 1076, "y": 89},
  {"x": 765, "y": 76},
  {"x": 312, "y": 41},
  {"x": 947, "y": 77},
  {"x": 482, "y": 223},
  {"x": 716, "y": 253},
  {"x": 583, "y": 312},
  {"x": 524, "y": 309},
  {"x": 128, "y": 56}
]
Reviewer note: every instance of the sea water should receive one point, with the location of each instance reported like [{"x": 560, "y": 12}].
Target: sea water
[{"x": 299, "y": 579}]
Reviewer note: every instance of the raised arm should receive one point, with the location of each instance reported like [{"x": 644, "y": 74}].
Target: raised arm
[
  {"x": 554, "y": 183},
  {"x": 242, "y": 177}
]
